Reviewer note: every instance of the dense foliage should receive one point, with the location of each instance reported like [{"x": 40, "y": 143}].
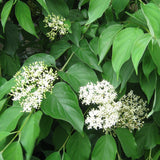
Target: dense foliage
[{"x": 45, "y": 113}]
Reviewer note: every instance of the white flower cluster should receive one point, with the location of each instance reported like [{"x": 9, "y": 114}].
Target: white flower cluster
[
  {"x": 107, "y": 113},
  {"x": 57, "y": 25},
  {"x": 129, "y": 112},
  {"x": 31, "y": 85},
  {"x": 133, "y": 112}
]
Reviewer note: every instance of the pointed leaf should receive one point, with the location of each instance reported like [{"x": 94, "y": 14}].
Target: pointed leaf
[
  {"x": 5, "y": 12},
  {"x": 63, "y": 104},
  {"x": 14, "y": 151},
  {"x": 84, "y": 54},
  {"x": 138, "y": 49},
  {"x": 79, "y": 147},
  {"x": 154, "y": 50},
  {"x": 148, "y": 86},
  {"x": 147, "y": 64},
  {"x": 2, "y": 103},
  {"x": 106, "y": 40},
  {"x": 43, "y": 4},
  {"x": 105, "y": 148},
  {"x": 96, "y": 9},
  {"x": 122, "y": 46},
  {"x": 151, "y": 13},
  {"x": 78, "y": 75},
  {"x": 30, "y": 133},
  {"x": 23, "y": 15},
  {"x": 128, "y": 142}
]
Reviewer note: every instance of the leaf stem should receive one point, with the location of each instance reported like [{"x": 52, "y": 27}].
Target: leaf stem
[
  {"x": 67, "y": 62},
  {"x": 18, "y": 132}
]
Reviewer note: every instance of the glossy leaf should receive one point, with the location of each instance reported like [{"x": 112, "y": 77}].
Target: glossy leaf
[
  {"x": 148, "y": 137},
  {"x": 64, "y": 106},
  {"x": 2, "y": 103},
  {"x": 84, "y": 54},
  {"x": 148, "y": 86},
  {"x": 154, "y": 49},
  {"x": 122, "y": 46},
  {"x": 54, "y": 156},
  {"x": 47, "y": 59},
  {"x": 105, "y": 148},
  {"x": 43, "y": 4},
  {"x": 6, "y": 87},
  {"x": 14, "y": 151},
  {"x": 78, "y": 75},
  {"x": 96, "y": 9},
  {"x": 9, "y": 118},
  {"x": 78, "y": 147},
  {"x": 151, "y": 13},
  {"x": 138, "y": 49},
  {"x": 94, "y": 45},
  {"x": 5, "y": 12},
  {"x": 30, "y": 133},
  {"x": 109, "y": 74},
  {"x": 58, "y": 48},
  {"x": 147, "y": 64},
  {"x": 106, "y": 40},
  {"x": 128, "y": 142},
  {"x": 23, "y": 15},
  {"x": 119, "y": 6},
  {"x": 4, "y": 134}
]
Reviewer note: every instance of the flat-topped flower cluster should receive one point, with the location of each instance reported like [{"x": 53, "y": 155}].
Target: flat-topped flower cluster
[
  {"x": 57, "y": 25},
  {"x": 31, "y": 85},
  {"x": 109, "y": 113}
]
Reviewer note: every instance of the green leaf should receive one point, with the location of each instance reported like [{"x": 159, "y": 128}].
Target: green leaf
[
  {"x": 4, "y": 134},
  {"x": 128, "y": 142},
  {"x": 64, "y": 106},
  {"x": 148, "y": 86},
  {"x": 44, "y": 129},
  {"x": 122, "y": 46},
  {"x": 84, "y": 54},
  {"x": 58, "y": 137},
  {"x": 148, "y": 137},
  {"x": 78, "y": 75},
  {"x": 156, "y": 103},
  {"x": 58, "y": 7},
  {"x": 151, "y": 13},
  {"x": 66, "y": 156},
  {"x": 9, "y": 118},
  {"x": 119, "y": 5},
  {"x": 154, "y": 52},
  {"x": 106, "y": 40},
  {"x": 2, "y": 103},
  {"x": 14, "y": 151},
  {"x": 12, "y": 39},
  {"x": 43, "y": 4},
  {"x": 96, "y": 9},
  {"x": 30, "y": 133},
  {"x": 125, "y": 73},
  {"x": 5, "y": 12},
  {"x": 156, "y": 156},
  {"x": 47, "y": 59},
  {"x": 1, "y": 158},
  {"x": 109, "y": 74},
  {"x": 54, "y": 156},
  {"x": 23, "y": 15},
  {"x": 58, "y": 48},
  {"x": 94, "y": 45},
  {"x": 6, "y": 87},
  {"x": 75, "y": 36},
  {"x": 81, "y": 3},
  {"x": 147, "y": 64},
  {"x": 105, "y": 148},
  {"x": 78, "y": 147},
  {"x": 139, "y": 48}
]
